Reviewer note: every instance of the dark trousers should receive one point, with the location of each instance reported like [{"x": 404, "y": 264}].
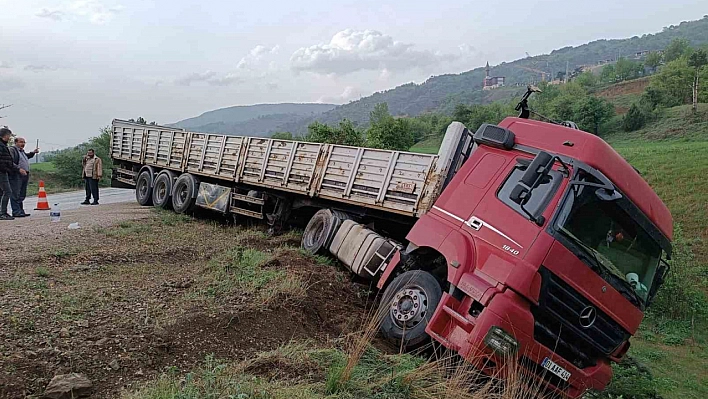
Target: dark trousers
[
  {"x": 5, "y": 192},
  {"x": 19, "y": 193},
  {"x": 91, "y": 189}
]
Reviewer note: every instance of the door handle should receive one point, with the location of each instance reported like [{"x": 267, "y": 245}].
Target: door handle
[{"x": 474, "y": 223}]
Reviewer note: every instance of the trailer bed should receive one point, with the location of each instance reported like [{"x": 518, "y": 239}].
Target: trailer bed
[{"x": 396, "y": 181}]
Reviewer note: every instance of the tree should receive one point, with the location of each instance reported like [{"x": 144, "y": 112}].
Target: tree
[
  {"x": 282, "y": 136},
  {"x": 591, "y": 112},
  {"x": 673, "y": 83},
  {"x": 697, "y": 60},
  {"x": 68, "y": 161},
  {"x": 626, "y": 69},
  {"x": 141, "y": 121},
  {"x": 587, "y": 80},
  {"x": 388, "y": 132},
  {"x": 345, "y": 133},
  {"x": 677, "y": 48},
  {"x": 633, "y": 119},
  {"x": 608, "y": 74},
  {"x": 653, "y": 60}
]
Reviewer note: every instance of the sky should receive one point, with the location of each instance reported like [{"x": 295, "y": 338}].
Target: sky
[{"x": 68, "y": 67}]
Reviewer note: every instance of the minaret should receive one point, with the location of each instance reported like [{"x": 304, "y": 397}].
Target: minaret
[{"x": 486, "y": 69}]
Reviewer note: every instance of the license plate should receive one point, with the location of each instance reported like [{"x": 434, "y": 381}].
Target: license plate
[{"x": 549, "y": 365}]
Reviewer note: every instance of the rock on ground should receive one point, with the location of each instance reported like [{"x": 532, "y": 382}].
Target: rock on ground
[{"x": 67, "y": 386}]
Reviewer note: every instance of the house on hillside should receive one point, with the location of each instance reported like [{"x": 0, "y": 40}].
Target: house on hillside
[{"x": 492, "y": 82}]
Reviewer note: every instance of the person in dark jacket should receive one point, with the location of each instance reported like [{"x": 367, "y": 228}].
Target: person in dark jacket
[
  {"x": 18, "y": 181},
  {"x": 6, "y": 168}
]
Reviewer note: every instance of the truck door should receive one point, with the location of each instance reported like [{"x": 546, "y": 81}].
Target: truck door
[{"x": 498, "y": 223}]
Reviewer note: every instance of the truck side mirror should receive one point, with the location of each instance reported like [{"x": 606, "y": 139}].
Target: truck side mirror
[{"x": 535, "y": 172}]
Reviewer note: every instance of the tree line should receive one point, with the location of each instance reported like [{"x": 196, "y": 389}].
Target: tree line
[{"x": 680, "y": 79}]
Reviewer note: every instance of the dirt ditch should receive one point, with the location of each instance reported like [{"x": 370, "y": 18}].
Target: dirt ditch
[{"x": 136, "y": 304}]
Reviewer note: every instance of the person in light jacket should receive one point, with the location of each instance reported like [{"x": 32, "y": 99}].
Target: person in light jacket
[{"x": 92, "y": 172}]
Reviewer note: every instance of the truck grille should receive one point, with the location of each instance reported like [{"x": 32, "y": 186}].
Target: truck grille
[{"x": 558, "y": 325}]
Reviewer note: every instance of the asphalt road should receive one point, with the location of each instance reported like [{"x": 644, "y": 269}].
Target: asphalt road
[{"x": 72, "y": 200}]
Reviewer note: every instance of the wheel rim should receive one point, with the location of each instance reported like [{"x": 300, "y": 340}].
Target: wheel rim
[
  {"x": 161, "y": 192},
  {"x": 143, "y": 188},
  {"x": 182, "y": 194},
  {"x": 409, "y": 307}
]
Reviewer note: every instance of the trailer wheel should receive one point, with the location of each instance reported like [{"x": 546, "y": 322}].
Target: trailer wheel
[
  {"x": 143, "y": 188},
  {"x": 162, "y": 190},
  {"x": 321, "y": 229},
  {"x": 183, "y": 197},
  {"x": 407, "y": 306}
]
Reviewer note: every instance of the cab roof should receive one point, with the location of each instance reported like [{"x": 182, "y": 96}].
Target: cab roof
[{"x": 595, "y": 152}]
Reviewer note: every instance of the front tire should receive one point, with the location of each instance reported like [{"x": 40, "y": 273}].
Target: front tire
[
  {"x": 143, "y": 188},
  {"x": 407, "y": 306}
]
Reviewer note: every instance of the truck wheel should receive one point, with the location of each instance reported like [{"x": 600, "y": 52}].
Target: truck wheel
[
  {"x": 162, "y": 190},
  {"x": 143, "y": 188},
  {"x": 183, "y": 198},
  {"x": 407, "y": 306},
  {"x": 321, "y": 229}
]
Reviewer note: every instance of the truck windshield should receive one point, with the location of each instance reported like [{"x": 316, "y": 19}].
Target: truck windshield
[{"x": 600, "y": 225}]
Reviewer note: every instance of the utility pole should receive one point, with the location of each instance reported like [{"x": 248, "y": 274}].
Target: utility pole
[{"x": 566, "y": 72}]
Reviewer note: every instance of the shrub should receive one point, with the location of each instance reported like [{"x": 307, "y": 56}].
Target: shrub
[{"x": 634, "y": 119}]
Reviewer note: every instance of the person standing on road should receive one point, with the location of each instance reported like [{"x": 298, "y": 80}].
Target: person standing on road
[
  {"x": 19, "y": 181},
  {"x": 7, "y": 167},
  {"x": 92, "y": 173}
]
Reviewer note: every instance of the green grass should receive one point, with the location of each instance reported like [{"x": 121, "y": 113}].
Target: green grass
[
  {"x": 671, "y": 124},
  {"x": 243, "y": 270},
  {"x": 129, "y": 228},
  {"x": 430, "y": 145},
  {"x": 43, "y": 166}
]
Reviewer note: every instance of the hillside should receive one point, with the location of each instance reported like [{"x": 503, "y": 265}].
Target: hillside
[
  {"x": 442, "y": 93},
  {"x": 255, "y": 120}
]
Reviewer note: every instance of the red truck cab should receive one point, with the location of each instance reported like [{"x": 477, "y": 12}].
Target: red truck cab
[{"x": 553, "y": 247}]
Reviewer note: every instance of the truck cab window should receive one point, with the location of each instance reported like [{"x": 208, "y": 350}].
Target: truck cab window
[{"x": 540, "y": 197}]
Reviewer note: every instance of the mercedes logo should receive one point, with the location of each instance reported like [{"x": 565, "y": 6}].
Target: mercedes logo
[{"x": 587, "y": 317}]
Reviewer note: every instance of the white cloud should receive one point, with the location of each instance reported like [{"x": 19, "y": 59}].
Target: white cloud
[
  {"x": 95, "y": 11},
  {"x": 195, "y": 77},
  {"x": 349, "y": 94},
  {"x": 256, "y": 56},
  {"x": 56, "y": 15},
  {"x": 227, "y": 80},
  {"x": 350, "y": 51},
  {"x": 10, "y": 83},
  {"x": 39, "y": 68},
  {"x": 5, "y": 65},
  {"x": 209, "y": 77}
]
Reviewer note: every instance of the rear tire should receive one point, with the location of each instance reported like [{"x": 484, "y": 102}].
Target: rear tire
[
  {"x": 143, "y": 188},
  {"x": 321, "y": 229},
  {"x": 407, "y": 306},
  {"x": 162, "y": 190},
  {"x": 183, "y": 198}
]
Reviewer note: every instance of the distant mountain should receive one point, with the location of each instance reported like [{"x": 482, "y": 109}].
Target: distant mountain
[
  {"x": 442, "y": 93},
  {"x": 253, "y": 120}
]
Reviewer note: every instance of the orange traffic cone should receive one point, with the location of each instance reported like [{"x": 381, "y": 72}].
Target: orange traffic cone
[{"x": 42, "y": 203}]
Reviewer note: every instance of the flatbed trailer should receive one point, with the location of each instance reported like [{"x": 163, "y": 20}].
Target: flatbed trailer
[{"x": 399, "y": 182}]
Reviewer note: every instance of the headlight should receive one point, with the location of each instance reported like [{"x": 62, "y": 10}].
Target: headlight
[{"x": 500, "y": 341}]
